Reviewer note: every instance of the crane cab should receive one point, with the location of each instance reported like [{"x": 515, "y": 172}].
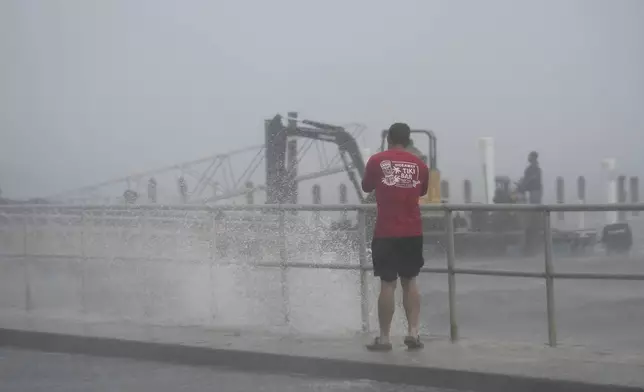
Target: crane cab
[{"x": 429, "y": 157}]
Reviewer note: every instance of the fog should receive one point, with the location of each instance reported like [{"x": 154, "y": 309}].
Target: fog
[{"x": 92, "y": 90}]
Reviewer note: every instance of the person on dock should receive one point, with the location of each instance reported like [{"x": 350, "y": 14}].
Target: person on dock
[
  {"x": 531, "y": 181},
  {"x": 532, "y": 184},
  {"x": 399, "y": 178}
]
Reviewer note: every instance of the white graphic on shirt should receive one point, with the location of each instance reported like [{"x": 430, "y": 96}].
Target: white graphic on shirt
[
  {"x": 388, "y": 172},
  {"x": 400, "y": 174}
]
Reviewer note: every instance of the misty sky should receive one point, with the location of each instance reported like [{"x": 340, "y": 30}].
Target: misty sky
[{"x": 91, "y": 90}]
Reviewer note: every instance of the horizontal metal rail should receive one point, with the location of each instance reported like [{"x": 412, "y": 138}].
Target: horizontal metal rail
[
  {"x": 352, "y": 267},
  {"x": 330, "y": 207}
]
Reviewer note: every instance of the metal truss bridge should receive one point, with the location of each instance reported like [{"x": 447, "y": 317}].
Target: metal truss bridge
[{"x": 237, "y": 176}]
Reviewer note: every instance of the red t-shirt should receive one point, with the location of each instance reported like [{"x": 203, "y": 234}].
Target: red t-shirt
[{"x": 399, "y": 178}]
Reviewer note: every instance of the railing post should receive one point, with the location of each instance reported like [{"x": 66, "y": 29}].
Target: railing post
[
  {"x": 211, "y": 257},
  {"x": 317, "y": 199},
  {"x": 634, "y": 191},
  {"x": 561, "y": 196},
  {"x": 621, "y": 197},
  {"x": 284, "y": 265},
  {"x": 451, "y": 278},
  {"x": 550, "y": 296},
  {"x": 144, "y": 219},
  {"x": 362, "y": 256},
  {"x": 83, "y": 260},
  {"x": 25, "y": 262}
]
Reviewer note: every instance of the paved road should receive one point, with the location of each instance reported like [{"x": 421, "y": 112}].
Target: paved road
[{"x": 27, "y": 371}]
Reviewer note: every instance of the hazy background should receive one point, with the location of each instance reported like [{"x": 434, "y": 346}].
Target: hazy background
[{"x": 91, "y": 90}]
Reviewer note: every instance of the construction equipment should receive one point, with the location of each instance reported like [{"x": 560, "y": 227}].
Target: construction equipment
[
  {"x": 280, "y": 187},
  {"x": 489, "y": 232},
  {"x": 278, "y": 175}
]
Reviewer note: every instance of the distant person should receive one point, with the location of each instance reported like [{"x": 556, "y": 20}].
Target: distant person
[
  {"x": 399, "y": 178},
  {"x": 531, "y": 181},
  {"x": 532, "y": 184}
]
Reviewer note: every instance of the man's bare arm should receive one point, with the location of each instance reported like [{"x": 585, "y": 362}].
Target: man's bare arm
[{"x": 424, "y": 183}]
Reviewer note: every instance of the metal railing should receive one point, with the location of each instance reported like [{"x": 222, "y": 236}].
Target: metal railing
[{"x": 364, "y": 265}]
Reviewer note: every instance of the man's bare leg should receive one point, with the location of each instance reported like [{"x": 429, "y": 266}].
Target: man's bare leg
[
  {"x": 386, "y": 307},
  {"x": 411, "y": 303}
]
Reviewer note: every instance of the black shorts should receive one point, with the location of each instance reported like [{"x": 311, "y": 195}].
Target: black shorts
[{"x": 394, "y": 257}]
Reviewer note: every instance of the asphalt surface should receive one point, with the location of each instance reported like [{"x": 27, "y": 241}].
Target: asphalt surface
[{"x": 30, "y": 371}]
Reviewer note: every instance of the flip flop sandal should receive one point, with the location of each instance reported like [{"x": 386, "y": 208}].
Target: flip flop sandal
[
  {"x": 413, "y": 343},
  {"x": 377, "y": 345}
]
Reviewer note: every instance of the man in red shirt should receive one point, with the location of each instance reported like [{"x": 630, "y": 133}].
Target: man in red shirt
[{"x": 399, "y": 179}]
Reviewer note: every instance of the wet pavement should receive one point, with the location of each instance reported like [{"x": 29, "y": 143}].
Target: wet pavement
[
  {"x": 472, "y": 365},
  {"x": 27, "y": 371}
]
